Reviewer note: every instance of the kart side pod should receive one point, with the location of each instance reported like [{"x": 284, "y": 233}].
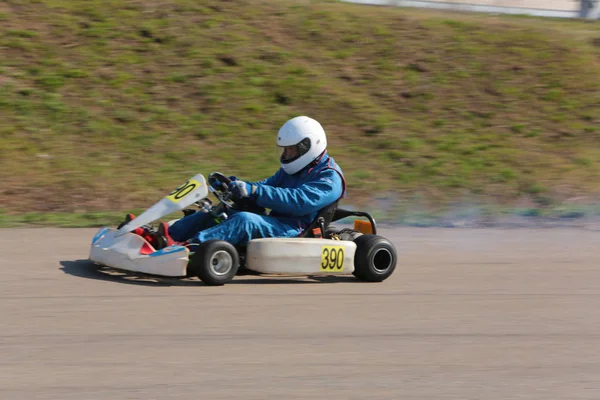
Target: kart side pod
[{"x": 305, "y": 256}]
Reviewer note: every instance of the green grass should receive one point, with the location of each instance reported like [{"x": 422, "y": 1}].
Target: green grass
[
  {"x": 107, "y": 105},
  {"x": 67, "y": 220}
]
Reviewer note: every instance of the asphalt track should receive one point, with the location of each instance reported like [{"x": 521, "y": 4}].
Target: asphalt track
[{"x": 469, "y": 314}]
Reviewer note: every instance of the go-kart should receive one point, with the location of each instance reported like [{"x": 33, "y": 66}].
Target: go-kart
[{"x": 319, "y": 250}]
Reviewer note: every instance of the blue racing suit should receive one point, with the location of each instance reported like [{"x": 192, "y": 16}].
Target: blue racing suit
[{"x": 294, "y": 201}]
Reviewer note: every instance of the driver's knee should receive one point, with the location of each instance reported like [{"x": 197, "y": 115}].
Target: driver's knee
[{"x": 246, "y": 219}]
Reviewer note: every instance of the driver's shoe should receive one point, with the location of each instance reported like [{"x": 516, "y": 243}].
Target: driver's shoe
[
  {"x": 128, "y": 219},
  {"x": 143, "y": 231},
  {"x": 163, "y": 238}
]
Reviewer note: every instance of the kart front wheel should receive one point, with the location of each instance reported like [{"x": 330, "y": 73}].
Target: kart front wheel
[{"x": 215, "y": 262}]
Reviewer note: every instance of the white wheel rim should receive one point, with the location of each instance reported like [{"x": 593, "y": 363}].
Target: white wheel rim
[{"x": 221, "y": 263}]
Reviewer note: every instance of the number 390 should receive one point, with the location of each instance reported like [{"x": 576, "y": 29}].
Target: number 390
[{"x": 332, "y": 258}]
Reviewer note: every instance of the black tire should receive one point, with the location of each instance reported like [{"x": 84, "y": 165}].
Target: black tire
[
  {"x": 375, "y": 258},
  {"x": 206, "y": 259}
]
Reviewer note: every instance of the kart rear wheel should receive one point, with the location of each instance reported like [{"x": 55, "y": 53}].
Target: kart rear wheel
[
  {"x": 375, "y": 258},
  {"x": 215, "y": 262}
]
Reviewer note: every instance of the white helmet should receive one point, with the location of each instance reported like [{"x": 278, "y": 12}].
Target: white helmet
[{"x": 307, "y": 136}]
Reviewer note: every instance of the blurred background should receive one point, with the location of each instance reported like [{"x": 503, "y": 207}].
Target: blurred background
[{"x": 434, "y": 113}]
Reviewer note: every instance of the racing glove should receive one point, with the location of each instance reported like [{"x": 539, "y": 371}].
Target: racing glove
[
  {"x": 216, "y": 184},
  {"x": 240, "y": 189}
]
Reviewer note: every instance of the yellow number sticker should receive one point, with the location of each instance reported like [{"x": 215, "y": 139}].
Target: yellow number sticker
[
  {"x": 332, "y": 258},
  {"x": 176, "y": 195}
]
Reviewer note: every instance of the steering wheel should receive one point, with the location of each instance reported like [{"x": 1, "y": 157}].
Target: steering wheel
[
  {"x": 225, "y": 196},
  {"x": 222, "y": 192}
]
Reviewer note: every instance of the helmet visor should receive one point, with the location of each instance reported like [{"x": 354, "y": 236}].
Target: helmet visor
[{"x": 288, "y": 154}]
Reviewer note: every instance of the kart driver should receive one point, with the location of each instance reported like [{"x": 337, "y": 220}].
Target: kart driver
[{"x": 307, "y": 181}]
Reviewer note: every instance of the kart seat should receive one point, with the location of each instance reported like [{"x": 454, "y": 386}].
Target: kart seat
[
  {"x": 319, "y": 225},
  {"x": 332, "y": 213}
]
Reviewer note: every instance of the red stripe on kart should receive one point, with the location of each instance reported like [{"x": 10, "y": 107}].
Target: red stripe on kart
[{"x": 146, "y": 249}]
